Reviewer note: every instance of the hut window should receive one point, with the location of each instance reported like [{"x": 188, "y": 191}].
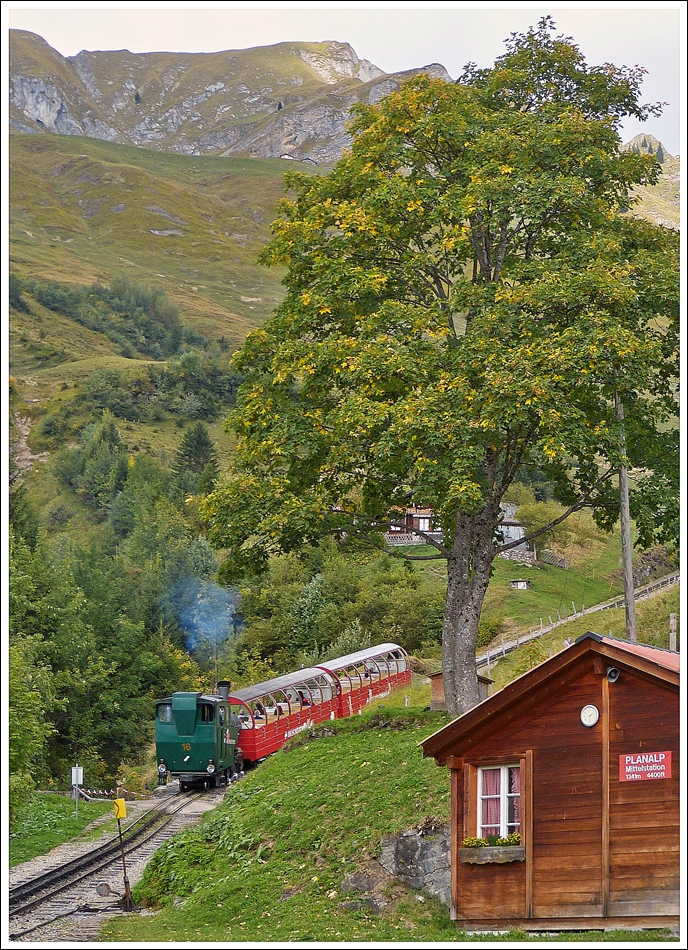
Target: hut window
[
  {"x": 499, "y": 800},
  {"x": 207, "y": 713},
  {"x": 165, "y": 712}
]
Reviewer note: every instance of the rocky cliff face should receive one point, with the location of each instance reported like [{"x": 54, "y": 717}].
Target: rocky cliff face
[{"x": 287, "y": 101}]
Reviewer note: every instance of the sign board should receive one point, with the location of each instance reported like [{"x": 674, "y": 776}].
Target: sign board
[
  {"x": 644, "y": 765},
  {"x": 77, "y": 775},
  {"x": 120, "y": 808}
]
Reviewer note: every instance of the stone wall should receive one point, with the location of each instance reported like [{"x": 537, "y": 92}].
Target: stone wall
[
  {"x": 420, "y": 857},
  {"x": 522, "y": 557}
]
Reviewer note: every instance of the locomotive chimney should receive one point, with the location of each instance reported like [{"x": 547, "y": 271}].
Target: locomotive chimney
[{"x": 223, "y": 689}]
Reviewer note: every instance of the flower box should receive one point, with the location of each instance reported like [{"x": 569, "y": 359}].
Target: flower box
[{"x": 501, "y": 854}]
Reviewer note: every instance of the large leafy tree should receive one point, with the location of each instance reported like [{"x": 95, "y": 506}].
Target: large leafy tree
[{"x": 465, "y": 299}]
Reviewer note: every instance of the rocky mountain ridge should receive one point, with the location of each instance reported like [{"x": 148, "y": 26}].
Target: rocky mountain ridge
[
  {"x": 646, "y": 144},
  {"x": 660, "y": 203},
  {"x": 290, "y": 101}
]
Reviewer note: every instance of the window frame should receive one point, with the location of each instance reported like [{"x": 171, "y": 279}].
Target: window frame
[{"x": 505, "y": 826}]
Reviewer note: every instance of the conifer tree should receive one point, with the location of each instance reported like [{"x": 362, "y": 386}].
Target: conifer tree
[{"x": 195, "y": 453}]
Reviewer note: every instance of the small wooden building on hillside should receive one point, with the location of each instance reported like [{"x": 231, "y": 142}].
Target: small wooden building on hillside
[
  {"x": 581, "y": 757},
  {"x": 438, "y": 702}
]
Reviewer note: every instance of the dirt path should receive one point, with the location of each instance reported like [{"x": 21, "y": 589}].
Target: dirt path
[{"x": 23, "y": 456}]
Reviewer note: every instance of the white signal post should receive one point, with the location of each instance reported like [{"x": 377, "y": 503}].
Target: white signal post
[{"x": 77, "y": 780}]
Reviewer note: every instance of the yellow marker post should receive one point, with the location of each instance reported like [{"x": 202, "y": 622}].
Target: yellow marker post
[{"x": 121, "y": 812}]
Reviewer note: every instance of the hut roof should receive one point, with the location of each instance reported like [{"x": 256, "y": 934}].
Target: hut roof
[
  {"x": 481, "y": 676},
  {"x": 666, "y": 658},
  {"x": 548, "y": 676}
]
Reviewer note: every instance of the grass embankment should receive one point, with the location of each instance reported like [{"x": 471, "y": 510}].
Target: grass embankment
[
  {"x": 272, "y": 863},
  {"x": 652, "y": 622},
  {"x": 46, "y": 821}
]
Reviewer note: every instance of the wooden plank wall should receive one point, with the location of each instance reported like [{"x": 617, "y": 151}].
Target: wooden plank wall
[
  {"x": 566, "y": 805},
  {"x": 577, "y": 871},
  {"x": 643, "y": 815}
]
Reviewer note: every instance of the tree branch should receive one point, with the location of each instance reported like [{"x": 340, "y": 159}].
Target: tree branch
[{"x": 576, "y": 506}]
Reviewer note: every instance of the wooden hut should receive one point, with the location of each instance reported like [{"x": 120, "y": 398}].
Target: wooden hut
[
  {"x": 437, "y": 700},
  {"x": 519, "y": 584},
  {"x": 580, "y": 757}
]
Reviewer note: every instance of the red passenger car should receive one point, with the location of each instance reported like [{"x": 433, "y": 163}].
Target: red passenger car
[
  {"x": 273, "y": 712},
  {"x": 366, "y": 674},
  {"x": 276, "y": 710}
]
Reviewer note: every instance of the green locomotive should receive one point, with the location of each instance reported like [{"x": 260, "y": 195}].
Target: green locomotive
[{"x": 196, "y": 736}]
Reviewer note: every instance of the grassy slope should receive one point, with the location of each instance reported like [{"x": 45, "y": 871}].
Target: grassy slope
[
  {"x": 652, "y": 621},
  {"x": 63, "y": 228},
  {"x": 83, "y": 210},
  {"x": 48, "y": 821}
]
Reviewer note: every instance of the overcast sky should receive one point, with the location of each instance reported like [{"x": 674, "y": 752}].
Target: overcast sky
[{"x": 394, "y": 36}]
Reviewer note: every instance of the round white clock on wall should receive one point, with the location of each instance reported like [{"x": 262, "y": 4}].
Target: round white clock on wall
[{"x": 589, "y": 715}]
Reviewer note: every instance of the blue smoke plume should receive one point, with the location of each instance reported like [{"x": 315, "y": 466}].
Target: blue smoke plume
[{"x": 206, "y": 612}]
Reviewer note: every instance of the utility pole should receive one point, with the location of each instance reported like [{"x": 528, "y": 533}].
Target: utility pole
[{"x": 626, "y": 547}]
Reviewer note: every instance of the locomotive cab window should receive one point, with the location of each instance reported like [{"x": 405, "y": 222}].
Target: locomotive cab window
[
  {"x": 165, "y": 712},
  {"x": 207, "y": 712}
]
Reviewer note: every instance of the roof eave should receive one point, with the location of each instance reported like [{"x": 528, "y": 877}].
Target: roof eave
[{"x": 440, "y": 743}]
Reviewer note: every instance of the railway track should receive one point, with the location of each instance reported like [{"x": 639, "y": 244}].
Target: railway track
[{"x": 63, "y": 903}]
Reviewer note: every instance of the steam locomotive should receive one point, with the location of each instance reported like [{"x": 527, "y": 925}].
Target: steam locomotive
[{"x": 205, "y": 739}]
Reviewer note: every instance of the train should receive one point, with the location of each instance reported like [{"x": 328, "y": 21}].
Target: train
[{"x": 206, "y": 738}]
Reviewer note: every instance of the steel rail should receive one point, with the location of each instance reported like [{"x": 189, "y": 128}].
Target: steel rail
[{"x": 36, "y": 891}]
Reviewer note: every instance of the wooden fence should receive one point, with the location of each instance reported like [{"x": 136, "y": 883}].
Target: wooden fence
[{"x": 495, "y": 651}]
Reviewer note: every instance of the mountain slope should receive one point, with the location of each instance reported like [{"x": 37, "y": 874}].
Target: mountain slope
[
  {"x": 290, "y": 100},
  {"x": 660, "y": 203},
  {"x": 83, "y": 210}
]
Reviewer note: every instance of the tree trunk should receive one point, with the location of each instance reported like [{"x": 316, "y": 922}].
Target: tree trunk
[{"x": 468, "y": 574}]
